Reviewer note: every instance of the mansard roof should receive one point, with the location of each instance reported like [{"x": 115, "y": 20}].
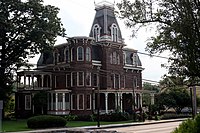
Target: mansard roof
[{"x": 105, "y": 18}]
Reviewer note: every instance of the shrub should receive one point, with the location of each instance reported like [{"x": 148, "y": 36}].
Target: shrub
[
  {"x": 116, "y": 116},
  {"x": 189, "y": 126},
  {"x": 46, "y": 121},
  {"x": 174, "y": 116},
  {"x": 71, "y": 117}
]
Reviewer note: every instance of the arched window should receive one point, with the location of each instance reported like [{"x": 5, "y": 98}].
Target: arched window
[
  {"x": 80, "y": 53},
  {"x": 135, "y": 82},
  {"x": 88, "y": 54},
  {"x": 114, "y": 58},
  {"x": 67, "y": 55},
  {"x": 114, "y": 32},
  {"x": 56, "y": 56},
  {"x": 96, "y": 32},
  {"x": 72, "y": 54}
]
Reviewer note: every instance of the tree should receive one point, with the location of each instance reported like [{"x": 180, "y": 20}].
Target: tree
[
  {"x": 26, "y": 28},
  {"x": 146, "y": 98},
  {"x": 178, "y": 30},
  {"x": 40, "y": 102}
]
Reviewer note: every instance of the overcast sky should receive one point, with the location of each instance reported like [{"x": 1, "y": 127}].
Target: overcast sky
[{"x": 77, "y": 17}]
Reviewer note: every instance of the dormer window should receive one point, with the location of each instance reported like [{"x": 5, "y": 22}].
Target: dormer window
[
  {"x": 134, "y": 58},
  {"x": 114, "y": 32},
  {"x": 80, "y": 53},
  {"x": 96, "y": 32}
]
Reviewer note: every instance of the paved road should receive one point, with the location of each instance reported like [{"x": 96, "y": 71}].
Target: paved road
[{"x": 152, "y": 128}]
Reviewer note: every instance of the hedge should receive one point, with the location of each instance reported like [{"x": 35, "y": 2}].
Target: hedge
[{"x": 46, "y": 121}]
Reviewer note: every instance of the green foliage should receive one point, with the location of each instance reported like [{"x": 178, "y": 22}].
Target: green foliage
[
  {"x": 27, "y": 28},
  {"x": 40, "y": 102},
  {"x": 174, "y": 116},
  {"x": 177, "y": 25},
  {"x": 115, "y": 116},
  {"x": 176, "y": 98},
  {"x": 189, "y": 126},
  {"x": 46, "y": 121},
  {"x": 71, "y": 117}
]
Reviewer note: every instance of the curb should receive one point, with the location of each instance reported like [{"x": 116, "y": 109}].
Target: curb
[
  {"x": 86, "y": 128},
  {"x": 134, "y": 124}
]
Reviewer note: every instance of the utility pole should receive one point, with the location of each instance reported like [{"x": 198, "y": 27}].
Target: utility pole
[
  {"x": 134, "y": 115},
  {"x": 98, "y": 99},
  {"x": 1, "y": 107}
]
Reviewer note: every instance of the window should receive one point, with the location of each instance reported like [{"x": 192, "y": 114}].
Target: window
[
  {"x": 68, "y": 80},
  {"x": 73, "y": 79},
  {"x": 117, "y": 81},
  {"x": 124, "y": 58},
  {"x": 88, "y": 101},
  {"x": 135, "y": 82},
  {"x": 96, "y": 32},
  {"x": 60, "y": 101},
  {"x": 95, "y": 79},
  {"x": 67, "y": 55},
  {"x": 80, "y": 78},
  {"x": 72, "y": 54},
  {"x": 88, "y": 78},
  {"x": 80, "y": 102},
  {"x": 115, "y": 78},
  {"x": 114, "y": 32},
  {"x": 88, "y": 54},
  {"x": 134, "y": 58},
  {"x": 67, "y": 103},
  {"x": 80, "y": 53},
  {"x": 56, "y": 57},
  {"x": 114, "y": 58},
  {"x": 73, "y": 101},
  {"x": 28, "y": 102}
]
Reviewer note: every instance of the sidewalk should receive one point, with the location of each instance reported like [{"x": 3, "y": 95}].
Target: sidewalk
[{"x": 95, "y": 129}]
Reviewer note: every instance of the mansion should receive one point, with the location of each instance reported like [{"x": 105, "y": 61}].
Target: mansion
[{"x": 85, "y": 74}]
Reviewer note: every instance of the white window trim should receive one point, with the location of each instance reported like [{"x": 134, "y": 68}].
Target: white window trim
[
  {"x": 78, "y": 78},
  {"x": 88, "y": 54},
  {"x": 90, "y": 101},
  {"x": 26, "y": 108},
  {"x": 72, "y": 78},
  {"x": 72, "y": 102},
  {"x": 65, "y": 59},
  {"x": 66, "y": 85},
  {"x": 97, "y": 37},
  {"x": 113, "y": 27},
  {"x": 90, "y": 79},
  {"x": 78, "y": 53},
  {"x": 55, "y": 81},
  {"x": 78, "y": 102},
  {"x": 72, "y": 53}
]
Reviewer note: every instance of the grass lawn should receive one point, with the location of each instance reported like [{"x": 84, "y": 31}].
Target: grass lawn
[{"x": 20, "y": 125}]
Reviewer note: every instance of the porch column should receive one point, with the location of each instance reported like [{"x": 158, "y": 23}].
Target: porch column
[
  {"x": 25, "y": 81},
  {"x": 56, "y": 101},
  {"x": 63, "y": 101},
  {"x": 141, "y": 99},
  {"x": 152, "y": 98},
  {"x": 32, "y": 78},
  {"x": 106, "y": 101},
  {"x": 120, "y": 100},
  {"x": 116, "y": 100}
]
